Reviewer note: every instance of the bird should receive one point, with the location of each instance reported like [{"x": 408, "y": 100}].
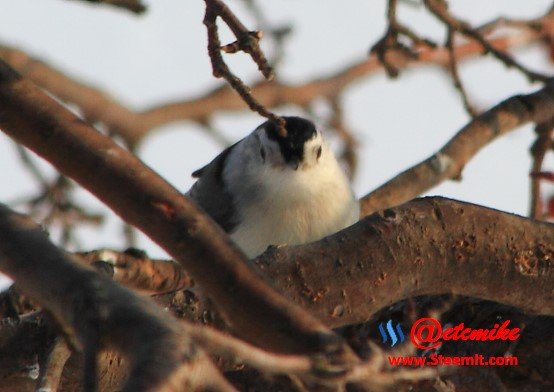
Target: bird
[{"x": 267, "y": 189}]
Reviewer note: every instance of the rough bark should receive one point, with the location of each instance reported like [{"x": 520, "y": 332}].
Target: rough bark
[
  {"x": 93, "y": 312},
  {"x": 145, "y": 200},
  {"x": 427, "y": 246}
]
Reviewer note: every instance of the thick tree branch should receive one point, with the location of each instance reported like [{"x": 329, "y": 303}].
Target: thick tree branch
[
  {"x": 145, "y": 200},
  {"x": 424, "y": 247},
  {"x": 427, "y": 246},
  {"x": 93, "y": 311},
  {"x": 450, "y": 160},
  {"x": 134, "y": 126}
]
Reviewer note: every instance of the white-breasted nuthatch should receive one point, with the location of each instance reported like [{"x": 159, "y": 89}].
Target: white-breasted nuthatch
[{"x": 272, "y": 190}]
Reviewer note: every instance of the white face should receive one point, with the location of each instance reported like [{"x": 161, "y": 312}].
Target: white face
[
  {"x": 269, "y": 153},
  {"x": 257, "y": 170}
]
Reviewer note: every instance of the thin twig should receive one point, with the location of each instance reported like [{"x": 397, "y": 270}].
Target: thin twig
[
  {"x": 133, "y": 127},
  {"x": 135, "y": 6},
  {"x": 238, "y": 351},
  {"x": 278, "y": 34},
  {"x": 391, "y": 42},
  {"x": 540, "y": 147},
  {"x": 55, "y": 205},
  {"x": 31, "y": 166},
  {"x": 368, "y": 373},
  {"x": 453, "y": 67},
  {"x": 502, "y": 21},
  {"x": 92, "y": 310},
  {"x": 248, "y": 42},
  {"x": 439, "y": 8},
  {"x": 348, "y": 153}
]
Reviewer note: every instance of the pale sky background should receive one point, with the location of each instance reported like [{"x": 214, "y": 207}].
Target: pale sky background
[{"x": 161, "y": 56}]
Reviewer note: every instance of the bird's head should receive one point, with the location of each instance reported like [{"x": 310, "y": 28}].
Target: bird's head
[{"x": 302, "y": 148}]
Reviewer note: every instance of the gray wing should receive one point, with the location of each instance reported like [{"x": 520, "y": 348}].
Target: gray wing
[{"x": 211, "y": 194}]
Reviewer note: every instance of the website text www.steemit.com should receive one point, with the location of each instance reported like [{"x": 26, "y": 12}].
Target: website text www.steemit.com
[
  {"x": 427, "y": 334},
  {"x": 444, "y": 360}
]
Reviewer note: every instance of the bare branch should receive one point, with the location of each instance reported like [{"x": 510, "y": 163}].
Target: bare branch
[
  {"x": 277, "y": 33},
  {"x": 134, "y": 126},
  {"x": 346, "y": 278},
  {"x": 248, "y": 42},
  {"x": 439, "y": 8},
  {"x": 92, "y": 310},
  {"x": 55, "y": 205},
  {"x": 275, "y": 94},
  {"x": 307, "y": 368},
  {"x": 52, "y": 366},
  {"x": 134, "y": 269},
  {"x": 542, "y": 145},
  {"x": 453, "y": 67},
  {"x": 135, "y": 6},
  {"x": 94, "y": 104},
  {"x": 252, "y": 308},
  {"x": 424, "y": 247},
  {"x": 237, "y": 351},
  {"x": 391, "y": 42},
  {"x": 348, "y": 154},
  {"x": 450, "y": 160}
]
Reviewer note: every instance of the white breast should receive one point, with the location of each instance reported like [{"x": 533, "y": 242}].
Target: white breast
[{"x": 295, "y": 207}]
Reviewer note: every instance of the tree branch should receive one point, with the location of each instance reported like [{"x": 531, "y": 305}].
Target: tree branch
[
  {"x": 455, "y": 74},
  {"x": 145, "y": 200},
  {"x": 390, "y": 41},
  {"x": 427, "y": 246},
  {"x": 248, "y": 42},
  {"x": 135, "y": 270},
  {"x": 439, "y": 8},
  {"x": 52, "y": 366},
  {"x": 542, "y": 145},
  {"x": 134, "y": 6},
  {"x": 93, "y": 311},
  {"x": 450, "y": 160},
  {"x": 134, "y": 126},
  {"x": 424, "y": 247}
]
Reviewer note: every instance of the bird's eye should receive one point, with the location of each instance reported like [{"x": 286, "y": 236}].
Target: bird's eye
[
  {"x": 318, "y": 153},
  {"x": 262, "y": 153}
]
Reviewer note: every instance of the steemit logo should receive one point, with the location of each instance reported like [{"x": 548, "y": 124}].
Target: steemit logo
[
  {"x": 427, "y": 333},
  {"x": 394, "y": 336}
]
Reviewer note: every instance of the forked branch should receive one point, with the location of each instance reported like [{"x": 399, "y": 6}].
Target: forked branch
[
  {"x": 248, "y": 42},
  {"x": 145, "y": 200}
]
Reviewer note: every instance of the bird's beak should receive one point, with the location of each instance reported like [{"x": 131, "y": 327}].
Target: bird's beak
[{"x": 295, "y": 163}]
